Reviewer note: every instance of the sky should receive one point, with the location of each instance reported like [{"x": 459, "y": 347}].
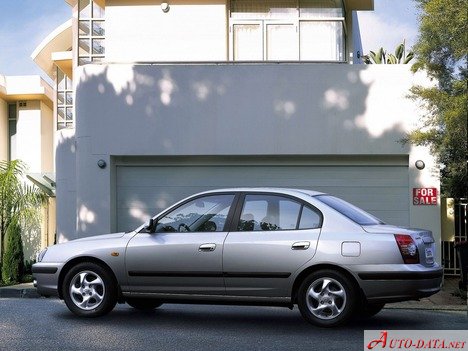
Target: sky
[{"x": 25, "y": 23}]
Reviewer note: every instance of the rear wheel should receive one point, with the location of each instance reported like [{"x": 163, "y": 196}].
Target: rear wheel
[
  {"x": 144, "y": 304},
  {"x": 89, "y": 290},
  {"x": 327, "y": 298}
]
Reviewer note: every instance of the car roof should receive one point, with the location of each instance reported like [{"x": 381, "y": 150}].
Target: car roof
[{"x": 289, "y": 191}]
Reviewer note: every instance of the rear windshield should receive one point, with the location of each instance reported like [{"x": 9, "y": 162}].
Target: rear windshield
[{"x": 354, "y": 213}]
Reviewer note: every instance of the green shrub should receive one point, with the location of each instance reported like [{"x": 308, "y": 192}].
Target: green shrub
[{"x": 13, "y": 258}]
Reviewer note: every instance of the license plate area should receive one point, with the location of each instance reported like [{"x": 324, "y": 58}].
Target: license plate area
[{"x": 429, "y": 255}]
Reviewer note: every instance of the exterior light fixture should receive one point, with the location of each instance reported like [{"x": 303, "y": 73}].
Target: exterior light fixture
[
  {"x": 420, "y": 164},
  {"x": 165, "y": 7},
  {"x": 101, "y": 164}
]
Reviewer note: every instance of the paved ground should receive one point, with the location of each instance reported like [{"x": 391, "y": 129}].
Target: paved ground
[{"x": 46, "y": 324}]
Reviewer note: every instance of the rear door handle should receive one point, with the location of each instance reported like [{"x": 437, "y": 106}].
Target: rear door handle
[
  {"x": 207, "y": 247},
  {"x": 300, "y": 245}
]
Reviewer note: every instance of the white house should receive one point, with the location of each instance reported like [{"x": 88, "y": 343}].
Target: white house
[{"x": 171, "y": 98}]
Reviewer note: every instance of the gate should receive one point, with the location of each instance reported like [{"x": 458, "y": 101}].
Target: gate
[{"x": 449, "y": 253}]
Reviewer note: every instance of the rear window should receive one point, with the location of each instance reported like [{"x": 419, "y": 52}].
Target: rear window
[{"x": 354, "y": 213}]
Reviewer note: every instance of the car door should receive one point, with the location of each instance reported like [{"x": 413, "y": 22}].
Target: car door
[
  {"x": 273, "y": 237},
  {"x": 184, "y": 255}
]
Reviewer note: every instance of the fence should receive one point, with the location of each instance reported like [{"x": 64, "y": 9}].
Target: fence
[{"x": 449, "y": 253}]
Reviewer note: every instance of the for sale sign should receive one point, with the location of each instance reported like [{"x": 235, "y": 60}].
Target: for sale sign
[{"x": 424, "y": 196}]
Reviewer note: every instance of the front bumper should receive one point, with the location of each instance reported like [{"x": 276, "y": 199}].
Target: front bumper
[
  {"x": 46, "y": 278},
  {"x": 395, "y": 286}
]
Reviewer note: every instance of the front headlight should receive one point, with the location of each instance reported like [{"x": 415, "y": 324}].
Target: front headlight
[{"x": 40, "y": 255}]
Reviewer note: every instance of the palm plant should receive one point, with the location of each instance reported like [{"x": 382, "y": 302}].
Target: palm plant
[
  {"x": 20, "y": 203},
  {"x": 381, "y": 57}
]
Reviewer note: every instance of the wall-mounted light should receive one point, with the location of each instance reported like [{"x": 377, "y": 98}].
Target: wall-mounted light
[
  {"x": 165, "y": 7},
  {"x": 420, "y": 164},
  {"x": 101, "y": 164}
]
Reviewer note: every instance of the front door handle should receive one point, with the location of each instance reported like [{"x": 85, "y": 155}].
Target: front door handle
[
  {"x": 207, "y": 247},
  {"x": 300, "y": 245}
]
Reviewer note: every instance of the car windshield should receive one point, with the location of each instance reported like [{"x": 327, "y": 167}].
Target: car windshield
[{"x": 354, "y": 213}]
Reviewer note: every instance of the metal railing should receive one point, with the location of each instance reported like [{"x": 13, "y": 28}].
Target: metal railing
[{"x": 449, "y": 253}]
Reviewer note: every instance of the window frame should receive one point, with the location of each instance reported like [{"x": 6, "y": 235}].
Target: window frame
[
  {"x": 90, "y": 57},
  {"x": 240, "y": 206},
  {"x": 293, "y": 19}
]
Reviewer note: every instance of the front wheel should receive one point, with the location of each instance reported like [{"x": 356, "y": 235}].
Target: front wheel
[
  {"x": 89, "y": 290},
  {"x": 327, "y": 298}
]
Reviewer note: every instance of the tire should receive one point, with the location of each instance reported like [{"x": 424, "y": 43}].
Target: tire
[
  {"x": 370, "y": 310},
  {"x": 89, "y": 290},
  {"x": 327, "y": 298},
  {"x": 144, "y": 304}
]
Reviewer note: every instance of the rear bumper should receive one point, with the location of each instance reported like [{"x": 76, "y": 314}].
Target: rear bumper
[
  {"x": 46, "y": 276},
  {"x": 394, "y": 286}
]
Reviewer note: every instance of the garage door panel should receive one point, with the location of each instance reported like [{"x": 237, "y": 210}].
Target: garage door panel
[{"x": 143, "y": 191}]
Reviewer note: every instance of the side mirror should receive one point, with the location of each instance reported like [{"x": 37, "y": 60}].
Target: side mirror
[{"x": 150, "y": 226}]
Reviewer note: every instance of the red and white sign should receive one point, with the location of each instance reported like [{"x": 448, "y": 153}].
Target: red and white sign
[{"x": 424, "y": 196}]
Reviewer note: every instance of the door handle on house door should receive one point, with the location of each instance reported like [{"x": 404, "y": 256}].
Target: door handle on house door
[
  {"x": 300, "y": 245},
  {"x": 207, "y": 247}
]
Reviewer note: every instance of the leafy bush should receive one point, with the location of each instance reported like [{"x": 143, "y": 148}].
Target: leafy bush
[{"x": 13, "y": 258}]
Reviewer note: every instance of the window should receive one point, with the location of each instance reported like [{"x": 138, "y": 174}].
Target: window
[
  {"x": 64, "y": 101},
  {"x": 287, "y": 30},
  {"x": 91, "y": 32},
  {"x": 12, "y": 119},
  {"x": 206, "y": 214},
  {"x": 271, "y": 212},
  {"x": 354, "y": 213}
]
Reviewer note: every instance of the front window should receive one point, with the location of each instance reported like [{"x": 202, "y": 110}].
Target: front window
[
  {"x": 205, "y": 214},
  {"x": 287, "y": 30},
  {"x": 354, "y": 213},
  {"x": 91, "y": 32},
  {"x": 12, "y": 120}
]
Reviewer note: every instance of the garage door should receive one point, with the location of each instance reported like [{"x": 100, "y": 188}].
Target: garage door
[{"x": 142, "y": 191}]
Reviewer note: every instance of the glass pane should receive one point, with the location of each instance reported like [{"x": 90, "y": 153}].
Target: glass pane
[
  {"x": 60, "y": 80},
  {"x": 266, "y": 213},
  {"x": 282, "y": 42},
  {"x": 61, "y": 98},
  {"x": 248, "y": 42},
  {"x": 69, "y": 114},
  {"x": 68, "y": 83},
  {"x": 98, "y": 11},
  {"x": 84, "y": 28},
  {"x": 69, "y": 98},
  {"x": 84, "y": 47},
  {"x": 83, "y": 61},
  {"x": 61, "y": 125},
  {"x": 263, "y": 9},
  {"x": 61, "y": 114},
  {"x": 98, "y": 28},
  {"x": 206, "y": 214},
  {"x": 69, "y": 125},
  {"x": 84, "y": 7},
  {"x": 309, "y": 219},
  {"x": 98, "y": 46},
  {"x": 97, "y": 59},
  {"x": 321, "y": 8},
  {"x": 321, "y": 41}
]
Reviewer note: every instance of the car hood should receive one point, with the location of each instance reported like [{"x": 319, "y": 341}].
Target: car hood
[{"x": 101, "y": 237}]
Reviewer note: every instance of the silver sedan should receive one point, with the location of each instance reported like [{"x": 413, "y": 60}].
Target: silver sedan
[{"x": 261, "y": 246}]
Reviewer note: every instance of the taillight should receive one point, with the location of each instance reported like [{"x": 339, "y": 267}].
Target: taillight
[{"x": 408, "y": 248}]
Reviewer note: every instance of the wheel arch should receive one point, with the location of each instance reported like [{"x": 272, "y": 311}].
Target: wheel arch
[
  {"x": 323, "y": 266},
  {"x": 73, "y": 262}
]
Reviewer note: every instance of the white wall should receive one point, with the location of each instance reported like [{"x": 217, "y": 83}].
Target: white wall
[
  {"x": 141, "y": 31},
  {"x": 3, "y": 130},
  {"x": 268, "y": 109},
  {"x": 28, "y": 135}
]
